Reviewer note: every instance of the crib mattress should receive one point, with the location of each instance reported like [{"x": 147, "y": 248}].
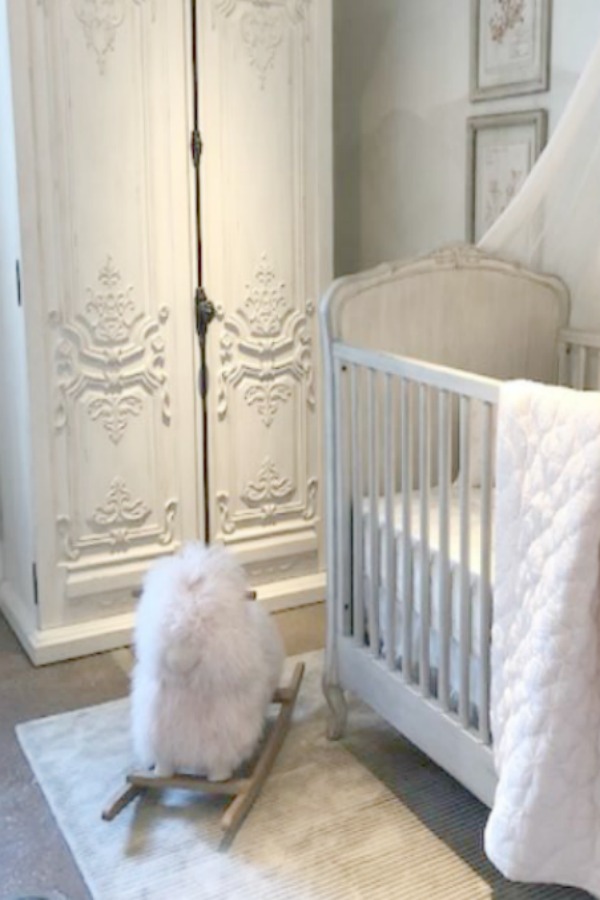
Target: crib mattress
[
  {"x": 434, "y": 522},
  {"x": 432, "y": 569}
]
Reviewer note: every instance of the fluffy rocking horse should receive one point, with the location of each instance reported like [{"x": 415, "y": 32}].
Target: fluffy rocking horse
[
  {"x": 208, "y": 662},
  {"x": 208, "y": 659}
]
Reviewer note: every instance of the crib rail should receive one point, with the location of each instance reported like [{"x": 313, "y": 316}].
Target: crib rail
[
  {"x": 413, "y": 446},
  {"x": 579, "y": 359}
]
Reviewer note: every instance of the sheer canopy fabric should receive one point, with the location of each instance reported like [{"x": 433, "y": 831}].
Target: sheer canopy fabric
[{"x": 553, "y": 223}]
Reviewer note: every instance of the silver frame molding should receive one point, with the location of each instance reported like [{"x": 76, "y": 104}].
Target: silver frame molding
[{"x": 537, "y": 118}]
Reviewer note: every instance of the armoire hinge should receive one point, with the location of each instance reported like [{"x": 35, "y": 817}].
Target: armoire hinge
[
  {"x": 34, "y": 578},
  {"x": 196, "y": 147},
  {"x": 18, "y": 277}
]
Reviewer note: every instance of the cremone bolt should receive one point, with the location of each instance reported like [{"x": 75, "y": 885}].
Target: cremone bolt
[{"x": 205, "y": 312}]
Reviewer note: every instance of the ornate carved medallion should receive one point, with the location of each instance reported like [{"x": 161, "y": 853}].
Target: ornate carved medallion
[
  {"x": 109, "y": 357},
  {"x": 266, "y": 305},
  {"x": 262, "y": 26},
  {"x": 265, "y": 347},
  {"x": 100, "y": 20},
  {"x": 262, "y": 33},
  {"x": 117, "y": 524},
  {"x": 119, "y": 508},
  {"x": 268, "y": 490}
]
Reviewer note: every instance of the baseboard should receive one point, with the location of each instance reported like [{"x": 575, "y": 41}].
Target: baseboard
[
  {"x": 293, "y": 592},
  {"x": 49, "y": 645}
]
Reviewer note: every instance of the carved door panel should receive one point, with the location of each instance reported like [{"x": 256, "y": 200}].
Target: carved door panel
[
  {"x": 265, "y": 106},
  {"x": 110, "y": 288}
]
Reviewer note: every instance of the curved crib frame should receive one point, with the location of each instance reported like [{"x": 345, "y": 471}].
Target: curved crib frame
[{"x": 367, "y": 386}]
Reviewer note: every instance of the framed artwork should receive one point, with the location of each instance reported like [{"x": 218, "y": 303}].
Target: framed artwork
[
  {"x": 501, "y": 151},
  {"x": 510, "y": 47}
]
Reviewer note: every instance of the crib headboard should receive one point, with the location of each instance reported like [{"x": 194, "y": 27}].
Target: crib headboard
[{"x": 458, "y": 307}]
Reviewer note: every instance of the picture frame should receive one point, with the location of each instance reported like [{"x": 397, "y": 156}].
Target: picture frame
[
  {"x": 501, "y": 151},
  {"x": 510, "y": 47}
]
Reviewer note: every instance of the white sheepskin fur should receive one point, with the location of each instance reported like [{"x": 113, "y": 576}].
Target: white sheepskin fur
[{"x": 208, "y": 661}]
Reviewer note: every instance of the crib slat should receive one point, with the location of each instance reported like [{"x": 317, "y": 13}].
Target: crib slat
[
  {"x": 596, "y": 359},
  {"x": 444, "y": 476},
  {"x": 594, "y": 370},
  {"x": 580, "y": 368},
  {"x": 358, "y": 609},
  {"x": 372, "y": 427},
  {"x": 390, "y": 525},
  {"x": 563, "y": 363},
  {"x": 485, "y": 589},
  {"x": 425, "y": 559},
  {"x": 406, "y": 480},
  {"x": 465, "y": 575},
  {"x": 342, "y": 506}
]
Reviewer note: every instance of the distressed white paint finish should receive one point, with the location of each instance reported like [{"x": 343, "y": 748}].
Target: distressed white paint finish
[
  {"x": 103, "y": 116},
  {"x": 266, "y": 188},
  {"x": 444, "y": 577},
  {"x": 101, "y": 113},
  {"x": 374, "y": 322},
  {"x": 409, "y": 140}
]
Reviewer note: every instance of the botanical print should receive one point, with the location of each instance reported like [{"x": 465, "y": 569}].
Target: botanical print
[
  {"x": 511, "y": 46},
  {"x": 502, "y": 167},
  {"x": 502, "y": 180},
  {"x": 500, "y": 195},
  {"x": 511, "y": 30},
  {"x": 506, "y": 15}
]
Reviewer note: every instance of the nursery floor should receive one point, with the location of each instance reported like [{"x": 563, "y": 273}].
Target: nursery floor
[
  {"x": 34, "y": 859},
  {"x": 33, "y": 856}
]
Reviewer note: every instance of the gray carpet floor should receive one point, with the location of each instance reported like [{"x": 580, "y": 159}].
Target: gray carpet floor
[{"x": 34, "y": 860}]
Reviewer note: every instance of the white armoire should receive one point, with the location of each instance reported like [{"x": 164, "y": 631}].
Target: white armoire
[{"x": 100, "y": 418}]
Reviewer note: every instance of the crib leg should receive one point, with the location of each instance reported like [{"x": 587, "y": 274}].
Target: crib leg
[{"x": 338, "y": 709}]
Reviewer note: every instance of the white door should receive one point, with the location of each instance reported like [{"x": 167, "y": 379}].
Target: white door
[
  {"x": 103, "y": 107},
  {"x": 103, "y": 101},
  {"x": 265, "y": 111}
]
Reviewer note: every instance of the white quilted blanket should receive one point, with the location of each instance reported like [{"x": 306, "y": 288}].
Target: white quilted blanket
[{"x": 545, "y": 824}]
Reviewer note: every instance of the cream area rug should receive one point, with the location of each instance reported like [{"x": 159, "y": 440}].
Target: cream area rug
[{"x": 369, "y": 817}]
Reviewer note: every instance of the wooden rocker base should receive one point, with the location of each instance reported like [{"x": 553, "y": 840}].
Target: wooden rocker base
[{"x": 243, "y": 790}]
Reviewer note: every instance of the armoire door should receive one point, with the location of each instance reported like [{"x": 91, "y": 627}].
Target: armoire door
[
  {"x": 102, "y": 103},
  {"x": 103, "y": 113},
  {"x": 265, "y": 112}
]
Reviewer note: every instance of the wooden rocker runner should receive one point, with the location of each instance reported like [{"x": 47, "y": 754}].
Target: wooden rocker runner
[{"x": 244, "y": 791}]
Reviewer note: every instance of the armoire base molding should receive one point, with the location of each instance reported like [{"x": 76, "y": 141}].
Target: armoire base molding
[{"x": 44, "y": 646}]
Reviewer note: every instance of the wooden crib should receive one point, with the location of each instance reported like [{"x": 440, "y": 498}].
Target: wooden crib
[{"x": 414, "y": 356}]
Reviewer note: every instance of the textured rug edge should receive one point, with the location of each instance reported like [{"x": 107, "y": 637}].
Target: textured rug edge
[
  {"x": 23, "y": 727},
  {"x": 63, "y": 820}
]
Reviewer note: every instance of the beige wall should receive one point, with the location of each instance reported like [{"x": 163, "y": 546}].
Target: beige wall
[{"x": 401, "y": 103}]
